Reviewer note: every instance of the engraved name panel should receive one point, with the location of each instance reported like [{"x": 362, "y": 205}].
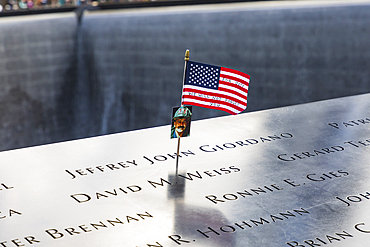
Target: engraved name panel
[{"x": 293, "y": 176}]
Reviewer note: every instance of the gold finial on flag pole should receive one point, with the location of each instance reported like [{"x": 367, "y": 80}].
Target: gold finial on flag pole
[{"x": 187, "y": 55}]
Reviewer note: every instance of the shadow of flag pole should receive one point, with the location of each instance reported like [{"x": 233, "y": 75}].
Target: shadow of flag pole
[{"x": 178, "y": 139}]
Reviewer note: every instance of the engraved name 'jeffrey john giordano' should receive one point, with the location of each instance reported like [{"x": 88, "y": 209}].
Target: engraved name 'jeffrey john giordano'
[{"x": 150, "y": 160}]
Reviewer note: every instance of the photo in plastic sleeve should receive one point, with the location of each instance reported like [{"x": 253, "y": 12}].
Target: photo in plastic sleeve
[{"x": 181, "y": 119}]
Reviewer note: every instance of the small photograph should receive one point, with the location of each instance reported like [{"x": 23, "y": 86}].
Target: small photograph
[{"x": 181, "y": 118}]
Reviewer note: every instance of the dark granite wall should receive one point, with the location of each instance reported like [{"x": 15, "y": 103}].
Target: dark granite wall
[
  {"x": 37, "y": 79},
  {"x": 122, "y": 70}
]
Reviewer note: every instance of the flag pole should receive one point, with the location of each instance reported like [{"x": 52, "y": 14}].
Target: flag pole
[
  {"x": 178, "y": 141},
  {"x": 185, "y": 65}
]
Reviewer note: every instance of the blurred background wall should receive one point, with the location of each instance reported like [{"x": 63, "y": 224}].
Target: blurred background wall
[{"x": 67, "y": 76}]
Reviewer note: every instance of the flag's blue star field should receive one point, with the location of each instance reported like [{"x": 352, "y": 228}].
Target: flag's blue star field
[{"x": 202, "y": 75}]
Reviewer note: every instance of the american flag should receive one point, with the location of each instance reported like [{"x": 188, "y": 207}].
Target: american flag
[{"x": 215, "y": 87}]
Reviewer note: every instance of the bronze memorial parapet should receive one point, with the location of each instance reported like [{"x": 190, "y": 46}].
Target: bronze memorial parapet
[{"x": 292, "y": 176}]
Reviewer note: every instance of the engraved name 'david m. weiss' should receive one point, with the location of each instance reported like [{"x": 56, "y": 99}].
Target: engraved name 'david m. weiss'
[{"x": 124, "y": 190}]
